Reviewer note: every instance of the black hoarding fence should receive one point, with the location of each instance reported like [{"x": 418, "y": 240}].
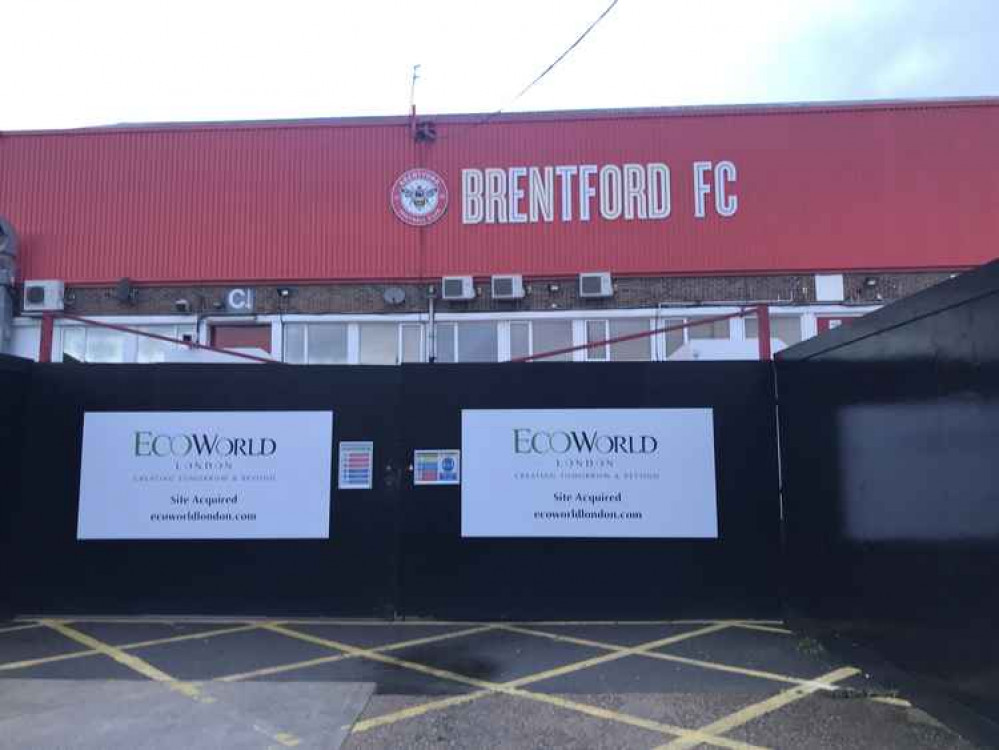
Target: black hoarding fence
[
  {"x": 14, "y": 382},
  {"x": 889, "y": 439},
  {"x": 395, "y": 550}
]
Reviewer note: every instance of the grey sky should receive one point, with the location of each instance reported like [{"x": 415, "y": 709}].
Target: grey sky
[{"x": 72, "y": 63}]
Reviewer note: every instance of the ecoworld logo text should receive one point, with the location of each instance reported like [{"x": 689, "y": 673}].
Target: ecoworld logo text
[
  {"x": 201, "y": 445},
  {"x": 528, "y": 440}
]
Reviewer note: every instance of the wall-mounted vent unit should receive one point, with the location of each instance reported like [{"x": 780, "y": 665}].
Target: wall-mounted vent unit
[
  {"x": 43, "y": 296},
  {"x": 508, "y": 287},
  {"x": 458, "y": 287},
  {"x": 594, "y": 285}
]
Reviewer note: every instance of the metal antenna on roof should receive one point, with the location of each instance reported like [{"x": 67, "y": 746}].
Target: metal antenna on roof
[{"x": 412, "y": 101}]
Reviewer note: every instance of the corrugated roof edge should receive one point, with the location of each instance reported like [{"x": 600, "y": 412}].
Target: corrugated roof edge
[
  {"x": 964, "y": 288},
  {"x": 716, "y": 110}
]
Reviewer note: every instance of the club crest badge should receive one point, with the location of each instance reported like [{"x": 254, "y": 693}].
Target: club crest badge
[{"x": 419, "y": 197}]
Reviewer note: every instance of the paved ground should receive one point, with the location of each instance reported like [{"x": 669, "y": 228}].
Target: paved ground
[{"x": 274, "y": 684}]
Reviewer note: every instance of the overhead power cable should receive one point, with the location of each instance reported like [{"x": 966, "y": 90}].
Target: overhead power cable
[
  {"x": 547, "y": 70},
  {"x": 561, "y": 57}
]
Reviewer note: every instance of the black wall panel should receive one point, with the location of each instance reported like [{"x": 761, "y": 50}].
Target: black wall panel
[
  {"x": 890, "y": 441},
  {"x": 14, "y": 379},
  {"x": 736, "y": 575},
  {"x": 397, "y": 549},
  {"x": 352, "y": 573}
]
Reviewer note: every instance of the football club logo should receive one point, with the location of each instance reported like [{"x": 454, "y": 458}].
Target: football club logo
[{"x": 419, "y": 197}]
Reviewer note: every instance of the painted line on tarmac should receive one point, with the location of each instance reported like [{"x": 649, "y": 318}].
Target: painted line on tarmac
[
  {"x": 718, "y": 666},
  {"x": 45, "y": 660},
  {"x": 695, "y": 736},
  {"x": 15, "y": 628},
  {"x": 616, "y": 654},
  {"x": 749, "y": 625},
  {"x": 756, "y": 710},
  {"x": 189, "y": 636},
  {"x": 129, "y": 660},
  {"x": 529, "y": 623},
  {"x": 413, "y": 711},
  {"x": 341, "y": 657},
  {"x": 514, "y": 688},
  {"x": 384, "y": 658},
  {"x": 133, "y": 662},
  {"x": 897, "y": 702},
  {"x": 27, "y": 663}
]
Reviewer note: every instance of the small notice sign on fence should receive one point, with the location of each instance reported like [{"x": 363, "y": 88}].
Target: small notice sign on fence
[
  {"x": 437, "y": 467},
  {"x": 356, "y": 465}
]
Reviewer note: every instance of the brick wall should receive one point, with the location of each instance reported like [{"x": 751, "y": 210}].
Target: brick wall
[{"x": 554, "y": 294}]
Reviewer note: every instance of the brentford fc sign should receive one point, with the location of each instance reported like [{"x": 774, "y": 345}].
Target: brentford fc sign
[{"x": 419, "y": 197}]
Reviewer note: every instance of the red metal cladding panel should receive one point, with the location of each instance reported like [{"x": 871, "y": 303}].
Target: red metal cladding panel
[{"x": 818, "y": 188}]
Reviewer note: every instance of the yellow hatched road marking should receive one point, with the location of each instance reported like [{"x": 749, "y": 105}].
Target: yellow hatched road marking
[
  {"x": 570, "y": 623},
  {"x": 133, "y": 662},
  {"x": 748, "y": 625},
  {"x": 46, "y": 660},
  {"x": 129, "y": 660},
  {"x": 265, "y": 671},
  {"x": 614, "y": 655},
  {"x": 340, "y": 657},
  {"x": 92, "y": 652},
  {"x": 644, "y": 651},
  {"x": 888, "y": 701},
  {"x": 15, "y": 628},
  {"x": 513, "y": 687},
  {"x": 693, "y": 735},
  {"x": 418, "y": 710},
  {"x": 756, "y": 710},
  {"x": 376, "y": 656},
  {"x": 190, "y": 636}
]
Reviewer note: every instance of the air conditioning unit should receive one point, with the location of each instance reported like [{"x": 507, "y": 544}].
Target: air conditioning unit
[
  {"x": 508, "y": 287},
  {"x": 595, "y": 285},
  {"x": 457, "y": 287},
  {"x": 43, "y": 296}
]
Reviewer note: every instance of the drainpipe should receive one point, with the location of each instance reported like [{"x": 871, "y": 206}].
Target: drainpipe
[
  {"x": 763, "y": 332},
  {"x": 432, "y": 332},
  {"x": 8, "y": 272}
]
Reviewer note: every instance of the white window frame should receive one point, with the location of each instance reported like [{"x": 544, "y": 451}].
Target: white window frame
[
  {"x": 605, "y": 322},
  {"x": 421, "y": 346},
  {"x": 656, "y": 316}
]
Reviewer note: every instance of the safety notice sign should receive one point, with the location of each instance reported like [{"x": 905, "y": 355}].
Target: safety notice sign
[
  {"x": 356, "y": 463},
  {"x": 437, "y": 467}
]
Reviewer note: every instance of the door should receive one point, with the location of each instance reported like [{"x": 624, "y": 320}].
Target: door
[{"x": 241, "y": 337}]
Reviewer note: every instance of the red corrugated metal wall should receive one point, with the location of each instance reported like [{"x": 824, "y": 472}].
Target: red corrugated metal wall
[{"x": 818, "y": 189}]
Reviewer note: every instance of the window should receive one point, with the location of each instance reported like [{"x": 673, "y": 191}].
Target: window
[
  {"x": 379, "y": 343},
  {"x": 784, "y": 328},
  {"x": 104, "y": 345},
  {"x": 294, "y": 343},
  {"x": 74, "y": 343},
  {"x": 673, "y": 339},
  {"x": 412, "y": 342},
  {"x": 550, "y": 335},
  {"x": 149, "y": 350},
  {"x": 315, "y": 343},
  {"x": 92, "y": 344},
  {"x": 477, "y": 342},
  {"x": 718, "y": 329},
  {"x": 445, "y": 342},
  {"x": 326, "y": 344},
  {"x": 520, "y": 339},
  {"x": 634, "y": 350},
  {"x": 239, "y": 336},
  {"x": 596, "y": 330}
]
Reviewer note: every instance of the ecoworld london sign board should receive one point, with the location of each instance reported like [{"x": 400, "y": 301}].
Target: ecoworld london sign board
[
  {"x": 612, "y": 473},
  {"x": 206, "y": 475}
]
